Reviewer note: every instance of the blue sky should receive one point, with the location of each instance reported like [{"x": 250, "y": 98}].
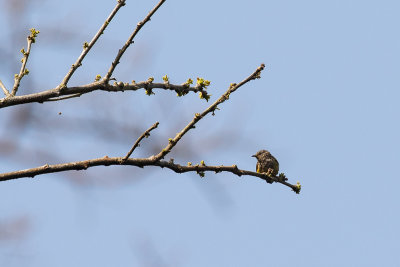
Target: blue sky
[{"x": 326, "y": 107}]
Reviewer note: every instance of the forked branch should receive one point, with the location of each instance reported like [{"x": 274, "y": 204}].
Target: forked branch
[
  {"x": 157, "y": 159},
  {"x": 88, "y": 46},
  {"x": 62, "y": 92},
  {"x": 130, "y": 41}
]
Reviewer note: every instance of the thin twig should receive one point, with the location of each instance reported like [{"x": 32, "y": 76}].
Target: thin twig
[
  {"x": 138, "y": 162},
  {"x": 88, "y": 46},
  {"x": 55, "y": 94},
  {"x": 130, "y": 41},
  {"x": 6, "y": 92},
  {"x": 198, "y": 116},
  {"x": 64, "y": 97},
  {"x": 145, "y": 134},
  {"x": 22, "y": 72}
]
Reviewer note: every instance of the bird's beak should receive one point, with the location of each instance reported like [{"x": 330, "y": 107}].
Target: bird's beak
[{"x": 254, "y": 156}]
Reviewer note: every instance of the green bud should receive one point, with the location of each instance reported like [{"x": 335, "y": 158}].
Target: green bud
[
  {"x": 149, "y": 91},
  {"x": 33, "y": 35},
  {"x": 201, "y": 174},
  {"x": 165, "y": 78},
  {"x": 204, "y": 95}
]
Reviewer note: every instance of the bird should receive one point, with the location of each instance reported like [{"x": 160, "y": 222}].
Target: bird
[{"x": 266, "y": 163}]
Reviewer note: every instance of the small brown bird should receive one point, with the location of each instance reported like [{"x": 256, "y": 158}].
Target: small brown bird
[{"x": 266, "y": 163}]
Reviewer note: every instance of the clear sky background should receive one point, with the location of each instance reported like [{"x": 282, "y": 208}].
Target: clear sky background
[{"x": 327, "y": 107}]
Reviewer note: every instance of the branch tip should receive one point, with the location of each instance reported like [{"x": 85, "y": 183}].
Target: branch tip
[{"x": 24, "y": 71}]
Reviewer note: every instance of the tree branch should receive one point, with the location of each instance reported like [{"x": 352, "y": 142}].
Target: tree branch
[
  {"x": 23, "y": 71},
  {"x": 137, "y": 143},
  {"x": 62, "y": 92},
  {"x": 130, "y": 41},
  {"x": 88, "y": 46},
  {"x": 212, "y": 108},
  {"x": 138, "y": 162},
  {"x": 6, "y": 92},
  {"x": 55, "y": 94}
]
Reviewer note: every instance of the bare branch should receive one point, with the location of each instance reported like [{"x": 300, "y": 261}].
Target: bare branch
[
  {"x": 6, "y": 92},
  {"x": 173, "y": 141},
  {"x": 62, "y": 92},
  {"x": 88, "y": 46},
  {"x": 130, "y": 41},
  {"x": 64, "y": 97},
  {"x": 23, "y": 71},
  {"x": 137, "y": 143},
  {"x": 55, "y": 94},
  {"x": 138, "y": 162}
]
